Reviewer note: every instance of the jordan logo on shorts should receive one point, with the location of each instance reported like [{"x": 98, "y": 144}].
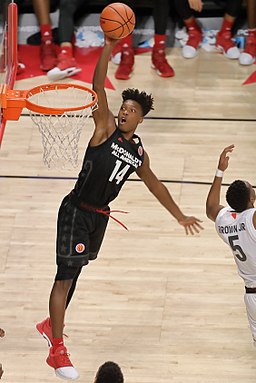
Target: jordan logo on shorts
[{"x": 80, "y": 248}]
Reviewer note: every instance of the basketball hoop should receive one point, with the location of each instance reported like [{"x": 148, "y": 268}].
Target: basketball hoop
[{"x": 60, "y": 112}]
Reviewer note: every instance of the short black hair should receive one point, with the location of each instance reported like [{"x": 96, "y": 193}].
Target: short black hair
[
  {"x": 238, "y": 195},
  {"x": 145, "y": 100},
  {"x": 109, "y": 372}
]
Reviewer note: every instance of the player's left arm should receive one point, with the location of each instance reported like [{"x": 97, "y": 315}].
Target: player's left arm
[
  {"x": 158, "y": 189},
  {"x": 213, "y": 205}
]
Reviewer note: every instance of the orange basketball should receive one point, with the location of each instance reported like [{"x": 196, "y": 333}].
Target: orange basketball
[{"x": 117, "y": 20}]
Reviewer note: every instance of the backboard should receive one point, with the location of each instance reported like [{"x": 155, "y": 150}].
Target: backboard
[{"x": 8, "y": 50}]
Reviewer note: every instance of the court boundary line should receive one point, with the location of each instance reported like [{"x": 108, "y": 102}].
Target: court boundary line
[
  {"x": 184, "y": 118},
  {"x": 57, "y": 178}
]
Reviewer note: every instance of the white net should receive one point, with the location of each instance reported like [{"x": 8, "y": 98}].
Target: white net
[{"x": 61, "y": 133}]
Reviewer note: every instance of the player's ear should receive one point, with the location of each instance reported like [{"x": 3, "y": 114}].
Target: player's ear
[{"x": 141, "y": 119}]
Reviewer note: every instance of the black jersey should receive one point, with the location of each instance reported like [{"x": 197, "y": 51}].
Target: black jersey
[{"x": 106, "y": 167}]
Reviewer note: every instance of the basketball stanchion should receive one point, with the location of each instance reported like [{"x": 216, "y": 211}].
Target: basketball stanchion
[
  {"x": 59, "y": 111},
  {"x": 8, "y": 51}
]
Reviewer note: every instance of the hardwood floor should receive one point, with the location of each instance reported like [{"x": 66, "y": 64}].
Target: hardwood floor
[{"x": 166, "y": 307}]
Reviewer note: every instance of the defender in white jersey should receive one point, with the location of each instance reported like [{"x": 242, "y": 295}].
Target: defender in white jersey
[{"x": 236, "y": 226}]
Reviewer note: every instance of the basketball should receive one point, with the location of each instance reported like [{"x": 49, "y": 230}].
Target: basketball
[{"x": 117, "y": 20}]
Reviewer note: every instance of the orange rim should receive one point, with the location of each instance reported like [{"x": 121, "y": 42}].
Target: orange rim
[{"x": 51, "y": 87}]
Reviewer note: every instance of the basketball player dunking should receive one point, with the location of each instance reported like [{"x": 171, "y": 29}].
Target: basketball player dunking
[
  {"x": 114, "y": 152},
  {"x": 236, "y": 226}
]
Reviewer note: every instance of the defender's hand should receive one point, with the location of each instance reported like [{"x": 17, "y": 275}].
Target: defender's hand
[{"x": 224, "y": 158}]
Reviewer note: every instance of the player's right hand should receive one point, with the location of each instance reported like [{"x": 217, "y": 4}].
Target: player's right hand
[{"x": 110, "y": 41}]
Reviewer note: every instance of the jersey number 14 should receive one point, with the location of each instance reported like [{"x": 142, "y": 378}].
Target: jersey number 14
[{"x": 118, "y": 174}]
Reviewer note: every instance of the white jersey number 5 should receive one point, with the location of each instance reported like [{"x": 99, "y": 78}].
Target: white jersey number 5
[{"x": 238, "y": 251}]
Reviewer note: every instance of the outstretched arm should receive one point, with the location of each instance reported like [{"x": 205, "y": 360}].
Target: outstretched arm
[
  {"x": 157, "y": 188},
  {"x": 213, "y": 200},
  {"x": 103, "y": 118}
]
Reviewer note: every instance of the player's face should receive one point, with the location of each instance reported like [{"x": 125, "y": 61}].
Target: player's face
[{"x": 129, "y": 116}]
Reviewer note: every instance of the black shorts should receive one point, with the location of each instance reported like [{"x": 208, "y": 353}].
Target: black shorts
[{"x": 79, "y": 235}]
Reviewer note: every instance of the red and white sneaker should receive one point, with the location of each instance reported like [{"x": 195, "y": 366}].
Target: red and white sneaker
[
  {"x": 66, "y": 67},
  {"x": 190, "y": 50},
  {"x": 59, "y": 360},
  {"x": 125, "y": 67},
  {"x": 248, "y": 56},
  {"x": 160, "y": 64},
  {"x": 44, "y": 328},
  {"x": 48, "y": 56},
  {"x": 225, "y": 44}
]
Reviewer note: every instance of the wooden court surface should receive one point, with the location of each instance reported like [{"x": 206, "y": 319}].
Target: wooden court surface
[{"x": 167, "y": 308}]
